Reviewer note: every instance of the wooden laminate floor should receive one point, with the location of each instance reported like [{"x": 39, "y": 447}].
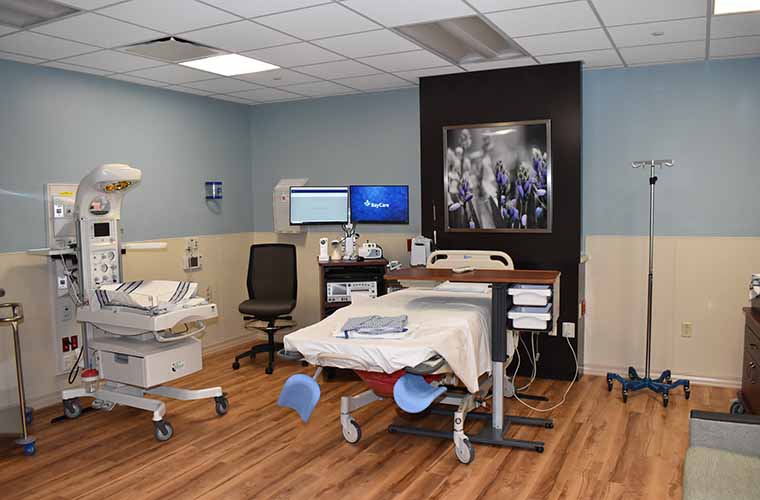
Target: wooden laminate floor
[{"x": 600, "y": 448}]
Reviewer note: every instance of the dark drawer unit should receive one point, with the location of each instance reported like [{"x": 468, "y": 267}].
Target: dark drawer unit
[{"x": 749, "y": 395}]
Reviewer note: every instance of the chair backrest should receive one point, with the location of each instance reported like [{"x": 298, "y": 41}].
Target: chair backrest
[{"x": 272, "y": 272}]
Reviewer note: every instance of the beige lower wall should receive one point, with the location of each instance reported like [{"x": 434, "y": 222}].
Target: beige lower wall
[
  {"x": 702, "y": 280},
  {"x": 26, "y": 280}
]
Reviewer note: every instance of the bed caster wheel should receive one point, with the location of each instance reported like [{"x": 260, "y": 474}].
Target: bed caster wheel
[
  {"x": 465, "y": 453},
  {"x": 162, "y": 430},
  {"x": 687, "y": 392},
  {"x": 235, "y": 365},
  {"x": 540, "y": 449},
  {"x": 625, "y": 396},
  {"x": 71, "y": 408},
  {"x": 549, "y": 425},
  {"x": 665, "y": 400},
  {"x": 737, "y": 408},
  {"x": 609, "y": 385},
  {"x": 30, "y": 449},
  {"x": 268, "y": 370},
  {"x": 352, "y": 433},
  {"x": 304, "y": 363},
  {"x": 222, "y": 405}
]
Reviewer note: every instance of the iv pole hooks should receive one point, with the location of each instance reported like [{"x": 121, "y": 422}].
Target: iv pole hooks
[{"x": 664, "y": 383}]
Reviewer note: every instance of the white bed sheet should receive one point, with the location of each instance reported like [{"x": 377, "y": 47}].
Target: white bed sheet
[{"x": 455, "y": 325}]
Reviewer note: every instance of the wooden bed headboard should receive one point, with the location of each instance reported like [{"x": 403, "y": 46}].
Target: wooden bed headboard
[{"x": 479, "y": 259}]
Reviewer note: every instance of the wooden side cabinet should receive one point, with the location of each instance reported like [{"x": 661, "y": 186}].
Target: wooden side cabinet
[{"x": 749, "y": 396}]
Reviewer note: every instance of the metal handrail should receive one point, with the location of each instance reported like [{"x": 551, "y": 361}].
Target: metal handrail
[{"x": 17, "y": 312}]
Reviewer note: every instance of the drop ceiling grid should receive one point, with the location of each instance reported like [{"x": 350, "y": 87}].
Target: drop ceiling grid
[{"x": 644, "y": 17}]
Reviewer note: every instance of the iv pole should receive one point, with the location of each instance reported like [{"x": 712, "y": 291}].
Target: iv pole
[{"x": 664, "y": 383}]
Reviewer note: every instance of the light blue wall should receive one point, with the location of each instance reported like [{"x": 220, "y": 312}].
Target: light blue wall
[
  {"x": 56, "y": 125},
  {"x": 706, "y": 117},
  {"x": 355, "y": 139}
]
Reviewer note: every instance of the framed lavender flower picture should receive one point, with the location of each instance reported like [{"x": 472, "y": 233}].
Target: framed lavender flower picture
[{"x": 498, "y": 177}]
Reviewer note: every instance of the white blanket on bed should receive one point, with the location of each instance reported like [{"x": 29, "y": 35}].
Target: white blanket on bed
[
  {"x": 456, "y": 325},
  {"x": 155, "y": 296}
]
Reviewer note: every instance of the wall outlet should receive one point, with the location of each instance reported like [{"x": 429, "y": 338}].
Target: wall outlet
[
  {"x": 687, "y": 329},
  {"x": 568, "y": 330}
]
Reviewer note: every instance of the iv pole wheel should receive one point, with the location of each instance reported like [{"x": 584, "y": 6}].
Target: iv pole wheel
[
  {"x": 72, "y": 408},
  {"x": 609, "y": 385},
  {"x": 665, "y": 399},
  {"x": 162, "y": 430},
  {"x": 737, "y": 408},
  {"x": 625, "y": 396}
]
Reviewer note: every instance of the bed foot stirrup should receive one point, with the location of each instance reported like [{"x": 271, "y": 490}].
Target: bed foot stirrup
[{"x": 352, "y": 432}]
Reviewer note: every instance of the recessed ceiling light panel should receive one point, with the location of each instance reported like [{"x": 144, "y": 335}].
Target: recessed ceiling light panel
[
  {"x": 28, "y": 13},
  {"x": 736, "y": 6},
  {"x": 230, "y": 65}
]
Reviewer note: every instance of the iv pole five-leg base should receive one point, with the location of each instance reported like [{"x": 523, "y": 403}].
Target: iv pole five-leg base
[{"x": 661, "y": 385}]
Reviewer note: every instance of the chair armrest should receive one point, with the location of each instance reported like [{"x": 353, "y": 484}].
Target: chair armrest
[{"x": 723, "y": 431}]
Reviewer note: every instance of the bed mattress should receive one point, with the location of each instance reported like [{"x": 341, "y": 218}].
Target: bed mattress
[{"x": 455, "y": 325}]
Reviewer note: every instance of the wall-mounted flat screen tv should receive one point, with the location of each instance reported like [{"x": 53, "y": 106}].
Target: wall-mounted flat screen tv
[
  {"x": 318, "y": 205},
  {"x": 380, "y": 204}
]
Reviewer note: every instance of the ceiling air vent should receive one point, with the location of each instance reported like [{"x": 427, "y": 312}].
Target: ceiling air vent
[
  {"x": 463, "y": 40},
  {"x": 172, "y": 49},
  {"x": 29, "y": 13}
]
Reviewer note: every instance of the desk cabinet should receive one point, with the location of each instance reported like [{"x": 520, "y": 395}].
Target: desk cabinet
[{"x": 750, "y": 391}]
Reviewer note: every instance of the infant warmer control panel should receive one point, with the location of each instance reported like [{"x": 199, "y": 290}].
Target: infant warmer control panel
[{"x": 104, "y": 252}]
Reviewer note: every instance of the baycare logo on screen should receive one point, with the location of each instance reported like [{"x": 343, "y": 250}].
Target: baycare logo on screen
[{"x": 372, "y": 204}]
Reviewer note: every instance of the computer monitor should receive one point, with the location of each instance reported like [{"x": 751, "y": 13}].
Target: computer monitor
[
  {"x": 318, "y": 205},
  {"x": 380, "y": 204}
]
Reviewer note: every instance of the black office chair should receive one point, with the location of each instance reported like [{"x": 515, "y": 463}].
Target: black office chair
[{"x": 272, "y": 290}]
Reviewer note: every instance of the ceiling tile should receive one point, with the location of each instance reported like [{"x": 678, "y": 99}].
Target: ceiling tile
[
  {"x": 406, "y": 61},
  {"x": 415, "y": 74},
  {"x": 141, "y": 81},
  {"x": 571, "y": 41},
  {"x": 170, "y": 16},
  {"x": 173, "y": 74},
  {"x": 231, "y": 99},
  {"x": 736, "y": 25},
  {"x": 742, "y": 46},
  {"x": 371, "y": 43},
  {"x": 614, "y": 12},
  {"x": 509, "y": 63},
  {"x": 683, "y": 30},
  {"x": 98, "y": 30},
  {"x": 495, "y": 5},
  {"x": 546, "y": 19},
  {"x": 88, "y": 4},
  {"x": 277, "y": 78},
  {"x": 267, "y": 95},
  {"x": 592, "y": 59},
  {"x": 4, "y": 30},
  {"x": 188, "y": 90},
  {"x": 79, "y": 69},
  {"x": 253, "y": 8},
  {"x": 402, "y": 12},
  {"x": 113, "y": 61},
  {"x": 661, "y": 53},
  {"x": 318, "y": 89},
  {"x": 43, "y": 46},
  {"x": 375, "y": 82},
  {"x": 240, "y": 36},
  {"x": 297, "y": 54},
  {"x": 318, "y": 22},
  {"x": 19, "y": 58},
  {"x": 222, "y": 85},
  {"x": 337, "y": 69}
]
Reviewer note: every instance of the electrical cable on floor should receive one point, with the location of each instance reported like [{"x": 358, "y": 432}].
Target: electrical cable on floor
[
  {"x": 564, "y": 396},
  {"x": 75, "y": 369},
  {"x": 532, "y": 358}
]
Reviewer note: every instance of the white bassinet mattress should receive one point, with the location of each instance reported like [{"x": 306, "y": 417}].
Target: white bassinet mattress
[{"x": 455, "y": 325}]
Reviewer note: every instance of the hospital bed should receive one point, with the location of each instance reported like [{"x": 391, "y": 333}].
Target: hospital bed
[
  {"x": 130, "y": 346},
  {"x": 449, "y": 343}
]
